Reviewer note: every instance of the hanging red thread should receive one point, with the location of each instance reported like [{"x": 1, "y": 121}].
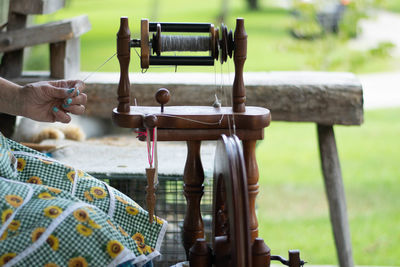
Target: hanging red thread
[{"x": 150, "y": 151}]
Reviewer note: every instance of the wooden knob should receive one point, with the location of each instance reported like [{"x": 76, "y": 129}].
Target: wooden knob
[
  {"x": 162, "y": 97},
  {"x": 150, "y": 121}
]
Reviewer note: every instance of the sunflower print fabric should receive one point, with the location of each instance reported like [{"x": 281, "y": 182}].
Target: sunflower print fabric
[{"x": 55, "y": 215}]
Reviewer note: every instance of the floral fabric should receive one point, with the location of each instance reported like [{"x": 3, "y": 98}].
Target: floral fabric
[{"x": 55, "y": 215}]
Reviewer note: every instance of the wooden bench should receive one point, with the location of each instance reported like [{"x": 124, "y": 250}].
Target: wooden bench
[
  {"x": 322, "y": 98},
  {"x": 62, "y": 36}
]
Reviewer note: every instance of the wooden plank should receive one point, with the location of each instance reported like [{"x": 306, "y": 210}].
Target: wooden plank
[
  {"x": 46, "y": 33},
  {"x": 65, "y": 59},
  {"x": 336, "y": 196},
  {"x": 325, "y": 98},
  {"x": 12, "y": 63},
  {"x": 31, "y": 7}
]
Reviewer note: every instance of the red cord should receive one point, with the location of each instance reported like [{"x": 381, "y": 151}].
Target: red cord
[{"x": 150, "y": 154}]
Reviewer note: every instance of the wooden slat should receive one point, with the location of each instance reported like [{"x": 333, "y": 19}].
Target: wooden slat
[
  {"x": 65, "y": 59},
  {"x": 324, "y": 98},
  {"x": 31, "y": 7},
  {"x": 46, "y": 33}
]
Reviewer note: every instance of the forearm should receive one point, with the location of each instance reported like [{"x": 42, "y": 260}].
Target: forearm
[{"x": 9, "y": 97}]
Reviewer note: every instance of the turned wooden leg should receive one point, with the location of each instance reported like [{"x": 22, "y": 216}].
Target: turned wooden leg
[
  {"x": 335, "y": 193},
  {"x": 193, "y": 178},
  {"x": 249, "y": 151}
]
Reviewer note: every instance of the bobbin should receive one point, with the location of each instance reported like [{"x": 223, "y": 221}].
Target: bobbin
[{"x": 163, "y": 43}]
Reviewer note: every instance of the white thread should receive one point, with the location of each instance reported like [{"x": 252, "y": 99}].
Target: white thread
[
  {"x": 196, "y": 121},
  {"x": 226, "y": 100},
  {"x": 233, "y": 113},
  {"x": 155, "y": 157},
  {"x": 90, "y": 74}
]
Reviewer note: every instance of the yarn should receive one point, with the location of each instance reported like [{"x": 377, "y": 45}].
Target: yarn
[{"x": 185, "y": 43}]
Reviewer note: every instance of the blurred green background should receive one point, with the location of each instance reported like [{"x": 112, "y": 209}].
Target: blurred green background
[
  {"x": 292, "y": 208},
  {"x": 271, "y": 46}
]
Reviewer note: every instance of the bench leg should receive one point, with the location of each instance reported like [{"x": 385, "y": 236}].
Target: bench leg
[{"x": 335, "y": 193}]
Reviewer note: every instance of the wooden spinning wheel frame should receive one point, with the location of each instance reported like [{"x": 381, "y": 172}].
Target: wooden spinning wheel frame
[{"x": 235, "y": 227}]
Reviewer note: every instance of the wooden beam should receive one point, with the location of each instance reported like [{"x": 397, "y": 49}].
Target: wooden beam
[
  {"x": 321, "y": 97},
  {"x": 46, "y": 33},
  {"x": 32, "y": 7}
]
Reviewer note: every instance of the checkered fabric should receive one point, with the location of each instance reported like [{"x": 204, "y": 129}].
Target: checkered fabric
[{"x": 65, "y": 217}]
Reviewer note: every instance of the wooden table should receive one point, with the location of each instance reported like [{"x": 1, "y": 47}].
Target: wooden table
[{"x": 326, "y": 99}]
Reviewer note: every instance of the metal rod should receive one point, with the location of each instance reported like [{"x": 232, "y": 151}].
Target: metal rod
[
  {"x": 180, "y": 27},
  {"x": 182, "y": 60}
]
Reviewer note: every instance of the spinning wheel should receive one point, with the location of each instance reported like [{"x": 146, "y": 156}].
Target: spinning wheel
[
  {"x": 236, "y": 176},
  {"x": 231, "y": 228}
]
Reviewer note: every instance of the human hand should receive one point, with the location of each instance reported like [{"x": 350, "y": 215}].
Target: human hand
[{"x": 50, "y": 101}]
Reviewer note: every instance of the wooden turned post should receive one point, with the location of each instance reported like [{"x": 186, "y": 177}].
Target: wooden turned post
[
  {"x": 239, "y": 91},
  {"x": 200, "y": 254},
  {"x": 124, "y": 57},
  {"x": 249, "y": 153},
  {"x": 294, "y": 258},
  {"x": 261, "y": 253},
  {"x": 193, "y": 178}
]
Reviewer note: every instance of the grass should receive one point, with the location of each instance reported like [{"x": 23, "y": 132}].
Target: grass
[
  {"x": 392, "y": 5},
  {"x": 270, "y": 45},
  {"x": 292, "y": 198}
]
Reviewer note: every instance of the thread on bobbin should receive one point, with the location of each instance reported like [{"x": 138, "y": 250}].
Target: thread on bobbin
[{"x": 185, "y": 43}]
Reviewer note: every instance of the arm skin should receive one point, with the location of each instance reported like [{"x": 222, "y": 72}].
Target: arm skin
[{"x": 43, "y": 101}]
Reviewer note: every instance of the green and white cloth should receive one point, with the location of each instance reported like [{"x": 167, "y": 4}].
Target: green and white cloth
[{"x": 55, "y": 215}]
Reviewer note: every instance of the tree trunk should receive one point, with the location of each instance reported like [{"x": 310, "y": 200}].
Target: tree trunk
[{"x": 253, "y": 4}]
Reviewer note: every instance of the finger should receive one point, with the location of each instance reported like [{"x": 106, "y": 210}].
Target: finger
[
  {"x": 70, "y": 88},
  {"x": 80, "y": 85},
  {"x": 79, "y": 88},
  {"x": 60, "y": 115},
  {"x": 66, "y": 83},
  {"x": 75, "y": 109},
  {"x": 77, "y": 85},
  {"x": 77, "y": 100},
  {"x": 58, "y": 92},
  {"x": 59, "y": 83}
]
